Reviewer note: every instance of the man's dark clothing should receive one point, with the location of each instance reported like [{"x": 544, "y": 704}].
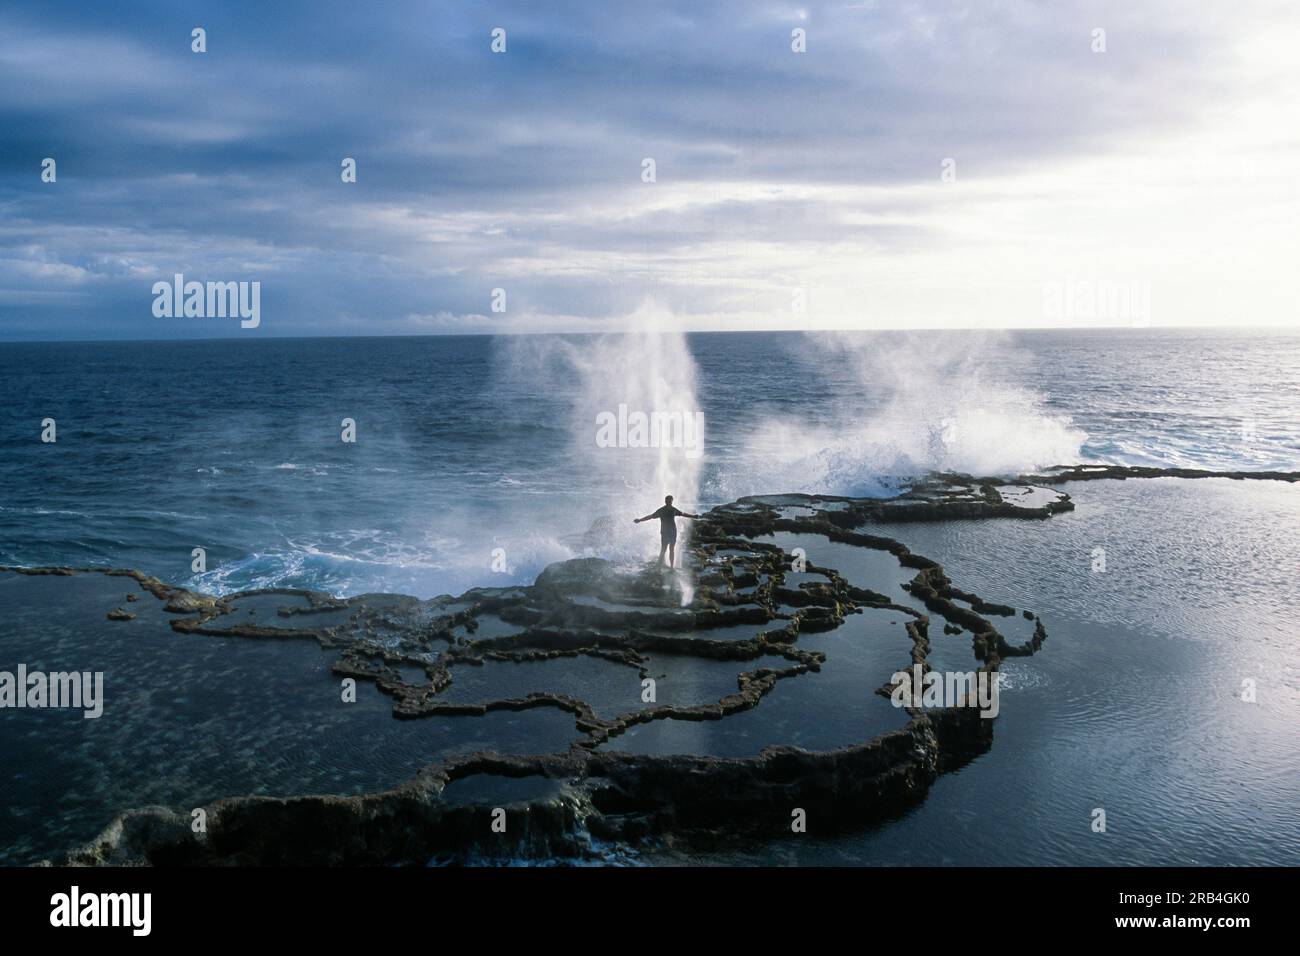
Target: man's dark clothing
[{"x": 667, "y": 516}]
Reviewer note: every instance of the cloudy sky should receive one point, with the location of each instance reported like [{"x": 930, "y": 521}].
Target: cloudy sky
[{"x": 1162, "y": 170}]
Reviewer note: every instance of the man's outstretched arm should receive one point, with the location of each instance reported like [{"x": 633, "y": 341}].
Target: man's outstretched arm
[{"x": 639, "y": 520}]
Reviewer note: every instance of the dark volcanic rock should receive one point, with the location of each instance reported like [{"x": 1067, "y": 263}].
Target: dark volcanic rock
[
  {"x": 1058, "y": 476},
  {"x": 580, "y": 576},
  {"x": 747, "y": 606}
]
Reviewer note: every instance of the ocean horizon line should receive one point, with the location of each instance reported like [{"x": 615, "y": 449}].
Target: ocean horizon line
[{"x": 1265, "y": 329}]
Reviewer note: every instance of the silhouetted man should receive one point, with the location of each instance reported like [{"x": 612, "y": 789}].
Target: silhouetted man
[{"x": 667, "y": 516}]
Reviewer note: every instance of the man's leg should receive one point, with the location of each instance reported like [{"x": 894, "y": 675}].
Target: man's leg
[
  {"x": 663, "y": 546},
  {"x": 672, "y": 553}
]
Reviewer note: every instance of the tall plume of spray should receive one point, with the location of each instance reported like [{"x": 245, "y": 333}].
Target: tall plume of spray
[
  {"x": 894, "y": 406},
  {"x": 647, "y": 369}
]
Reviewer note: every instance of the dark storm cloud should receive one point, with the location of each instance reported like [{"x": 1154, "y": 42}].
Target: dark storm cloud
[{"x": 520, "y": 170}]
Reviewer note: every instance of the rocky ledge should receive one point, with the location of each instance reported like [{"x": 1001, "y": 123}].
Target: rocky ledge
[{"x": 744, "y": 599}]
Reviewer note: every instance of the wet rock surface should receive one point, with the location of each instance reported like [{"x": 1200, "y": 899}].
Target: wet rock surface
[
  {"x": 1063, "y": 474},
  {"x": 621, "y": 650}
]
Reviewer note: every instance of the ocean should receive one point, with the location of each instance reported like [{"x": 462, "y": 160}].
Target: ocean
[
  {"x": 466, "y": 445},
  {"x": 475, "y": 463}
]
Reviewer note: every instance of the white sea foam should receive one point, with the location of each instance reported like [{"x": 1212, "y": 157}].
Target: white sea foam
[{"x": 906, "y": 406}]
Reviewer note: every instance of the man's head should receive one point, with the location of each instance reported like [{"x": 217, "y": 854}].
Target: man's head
[{"x": 668, "y": 499}]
